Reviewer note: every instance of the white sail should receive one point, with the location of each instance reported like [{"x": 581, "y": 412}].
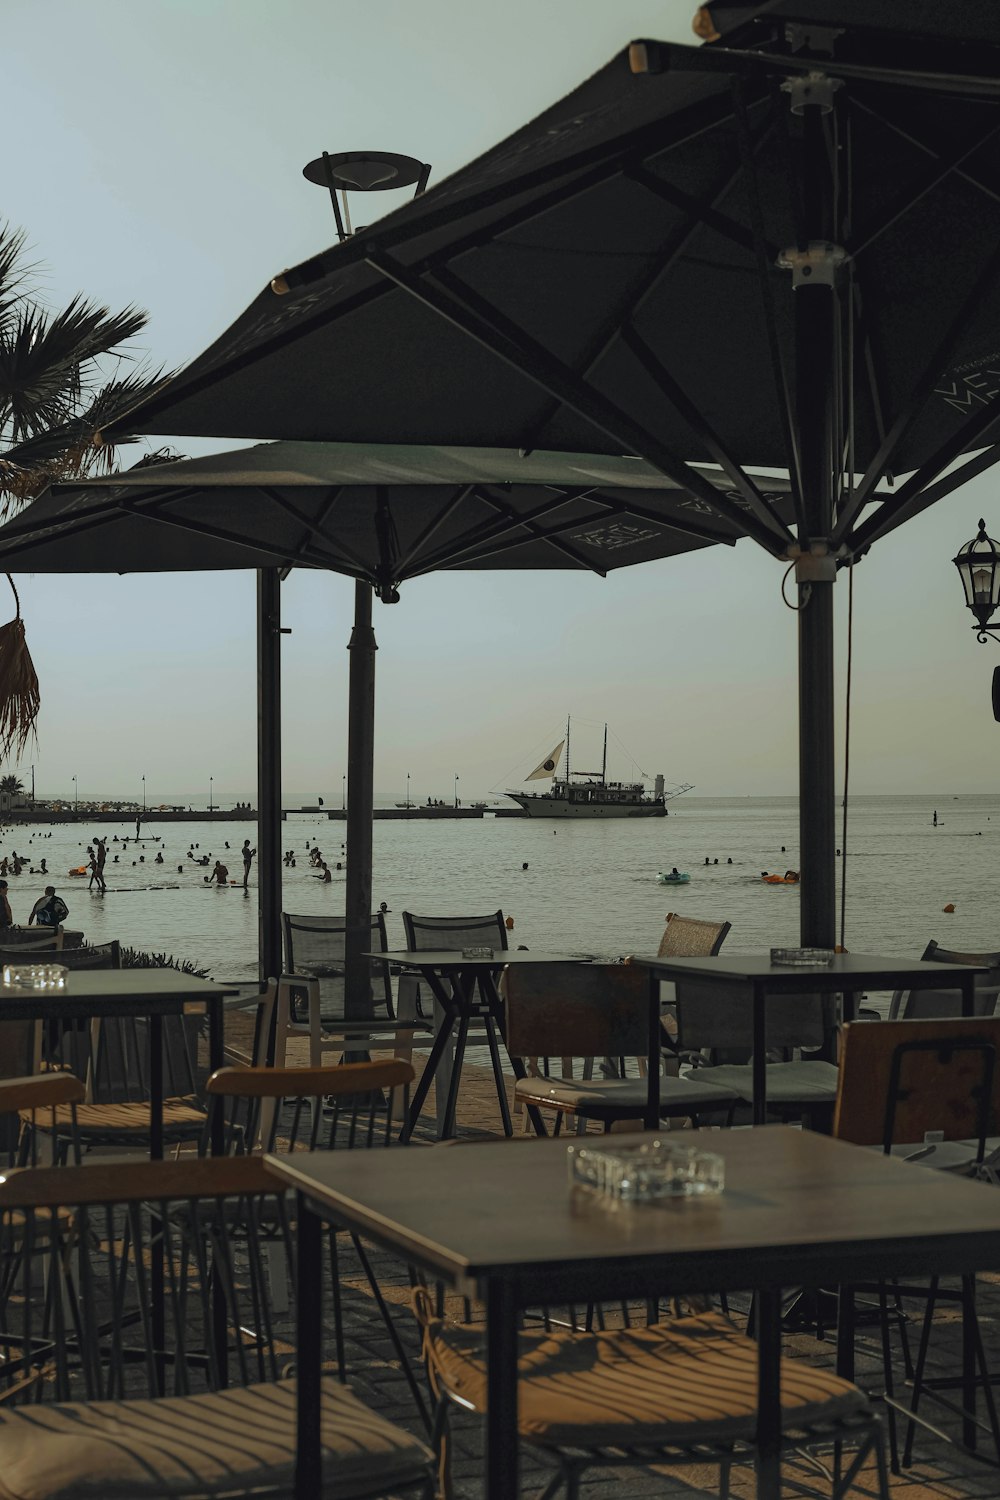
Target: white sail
[{"x": 548, "y": 765}]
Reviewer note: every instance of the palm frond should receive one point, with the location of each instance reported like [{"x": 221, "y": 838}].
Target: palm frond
[
  {"x": 44, "y": 360},
  {"x": 14, "y": 274}
]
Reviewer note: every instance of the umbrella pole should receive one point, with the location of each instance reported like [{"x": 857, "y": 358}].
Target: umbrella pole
[
  {"x": 360, "y": 797},
  {"x": 817, "y": 376},
  {"x": 269, "y": 772}
]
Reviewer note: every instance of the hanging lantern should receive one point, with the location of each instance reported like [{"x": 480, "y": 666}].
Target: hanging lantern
[{"x": 978, "y": 564}]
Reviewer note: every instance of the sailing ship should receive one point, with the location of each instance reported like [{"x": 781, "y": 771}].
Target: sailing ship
[{"x": 589, "y": 794}]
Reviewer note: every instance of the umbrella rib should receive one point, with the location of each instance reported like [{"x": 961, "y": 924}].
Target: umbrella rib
[
  {"x": 909, "y": 413},
  {"x": 322, "y": 518},
  {"x": 535, "y": 533},
  {"x": 881, "y": 523},
  {"x": 668, "y": 256},
  {"x": 778, "y": 371},
  {"x": 489, "y": 531},
  {"x": 703, "y": 212},
  {"x": 461, "y": 494},
  {"x": 689, "y": 413},
  {"x": 314, "y": 528},
  {"x": 939, "y": 168},
  {"x": 217, "y": 533},
  {"x": 967, "y": 437},
  {"x": 914, "y": 140},
  {"x": 458, "y": 304}
]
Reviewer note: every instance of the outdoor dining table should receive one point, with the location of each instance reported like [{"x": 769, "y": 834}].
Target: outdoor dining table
[
  {"x": 464, "y": 986},
  {"x": 153, "y": 993},
  {"x": 754, "y": 979},
  {"x": 505, "y": 1226}
]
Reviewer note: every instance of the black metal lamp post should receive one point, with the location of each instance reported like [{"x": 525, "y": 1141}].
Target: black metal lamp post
[
  {"x": 346, "y": 172},
  {"x": 978, "y": 564}
]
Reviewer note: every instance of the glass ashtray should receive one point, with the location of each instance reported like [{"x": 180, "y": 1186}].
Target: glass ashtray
[
  {"x": 480, "y": 951},
  {"x": 35, "y": 976},
  {"x": 801, "y": 958},
  {"x": 646, "y": 1171}
]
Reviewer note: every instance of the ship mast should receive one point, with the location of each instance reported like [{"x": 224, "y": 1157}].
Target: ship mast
[
  {"x": 604, "y": 761},
  {"x": 567, "y": 747}
]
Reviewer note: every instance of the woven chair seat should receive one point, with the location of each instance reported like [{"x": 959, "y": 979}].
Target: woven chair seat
[
  {"x": 622, "y": 1097},
  {"x": 182, "y": 1120},
  {"x": 684, "y": 1382},
  {"x": 808, "y": 1082},
  {"x": 224, "y": 1443}
]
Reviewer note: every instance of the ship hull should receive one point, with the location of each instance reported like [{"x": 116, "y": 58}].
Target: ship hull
[{"x": 560, "y": 807}]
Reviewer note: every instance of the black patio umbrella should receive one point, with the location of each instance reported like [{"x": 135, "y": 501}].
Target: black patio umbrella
[
  {"x": 381, "y": 515},
  {"x": 782, "y": 252}
]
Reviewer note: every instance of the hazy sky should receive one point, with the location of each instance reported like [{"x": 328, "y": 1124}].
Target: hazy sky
[{"x": 157, "y": 160}]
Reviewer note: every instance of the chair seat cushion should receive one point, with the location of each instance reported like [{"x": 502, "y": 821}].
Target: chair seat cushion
[
  {"x": 181, "y": 1119},
  {"x": 692, "y": 1379},
  {"x": 807, "y": 1082},
  {"x": 235, "y": 1442},
  {"x": 621, "y": 1096}
]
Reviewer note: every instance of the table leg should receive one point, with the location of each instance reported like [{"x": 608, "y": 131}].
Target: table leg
[
  {"x": 969, "y": 995},
  {"x": 845, "y": 1332},
  {"x": 651, "y": 1119},
  {"x": 441, "y": 1042},
  {"x": 217, "y": 1059},
  {"x": 768, "y": 1306},
  {"x": 759, "y": 1056},
  {"x": 456, "y": 1076},
  {"x": 309, "y": 1340},
  {"x": 156, "y": 1276},
  {"x": 501, "y": 1393}
]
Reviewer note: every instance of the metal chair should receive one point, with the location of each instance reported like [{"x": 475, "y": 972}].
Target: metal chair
[
  {"x": 117, "y": 1112},
  {"x": 927, "y": 1091},
  {"x": 425, "y": 935},
  {"x": 678, "y": 1392},
  {"x": 97, "y": 1398},
  {"x": 286, "y": 1110},
  {"x": 912, "y": 1005},
  {"x": 586, "y": 1011},
  {"x": 311, "y": 992},
  {"x": 710, "y": 1022}
]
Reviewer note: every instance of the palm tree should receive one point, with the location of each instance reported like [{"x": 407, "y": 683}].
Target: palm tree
[
  {"x": 63, "y": 377},
  {"x": 11, "y": 784}
]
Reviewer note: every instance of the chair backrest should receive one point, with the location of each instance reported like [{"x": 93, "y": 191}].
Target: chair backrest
[
  {"x": 323, "y": 1108},
  {"x": 29, "y": 1114},
  {"x": 691, "y": 937},
  {"x": 900, "y": 1079},
  {"x": 315, "y": 946},
  {"x": 93, "y": 956},
  {"x": 20, "y": 953},
  {"x": 576, "y": 1010},
  {"x": 913, "y": 1005},
  {"x": 710, "y": 1019},
  {"x": 78, "y": 1320},
  {"x": 118, "y": 1057},
  {"x": 425, "y": 934}
]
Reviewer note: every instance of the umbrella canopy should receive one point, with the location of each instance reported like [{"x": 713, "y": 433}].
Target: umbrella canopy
[
  {"x": 379, "y": 514},
  {"x": 783, "y": 252},
  {"x": 609, "y": 278}
]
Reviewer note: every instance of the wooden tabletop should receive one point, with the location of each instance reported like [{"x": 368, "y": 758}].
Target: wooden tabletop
[
  {"x": 846, "y": 971},
  {"x": 798, "y": 1209},
  {"x": 109, "y": 989}
]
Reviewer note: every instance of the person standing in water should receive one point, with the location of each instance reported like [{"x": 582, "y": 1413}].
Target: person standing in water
[
  {"x": 935, "y": 817},
  {"x": 248, "y": 858}
]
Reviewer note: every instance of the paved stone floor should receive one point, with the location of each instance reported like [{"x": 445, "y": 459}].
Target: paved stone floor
[{"x": 939, "y": 1469}]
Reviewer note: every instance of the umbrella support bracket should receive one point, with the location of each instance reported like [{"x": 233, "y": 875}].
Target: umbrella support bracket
[{"x": 816, "y": 265}]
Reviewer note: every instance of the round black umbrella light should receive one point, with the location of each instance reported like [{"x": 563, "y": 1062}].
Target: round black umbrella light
[{"x": 349, "y": 172}]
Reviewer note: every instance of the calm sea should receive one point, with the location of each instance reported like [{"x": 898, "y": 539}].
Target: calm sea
[{"x": 590, "y": 887}]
